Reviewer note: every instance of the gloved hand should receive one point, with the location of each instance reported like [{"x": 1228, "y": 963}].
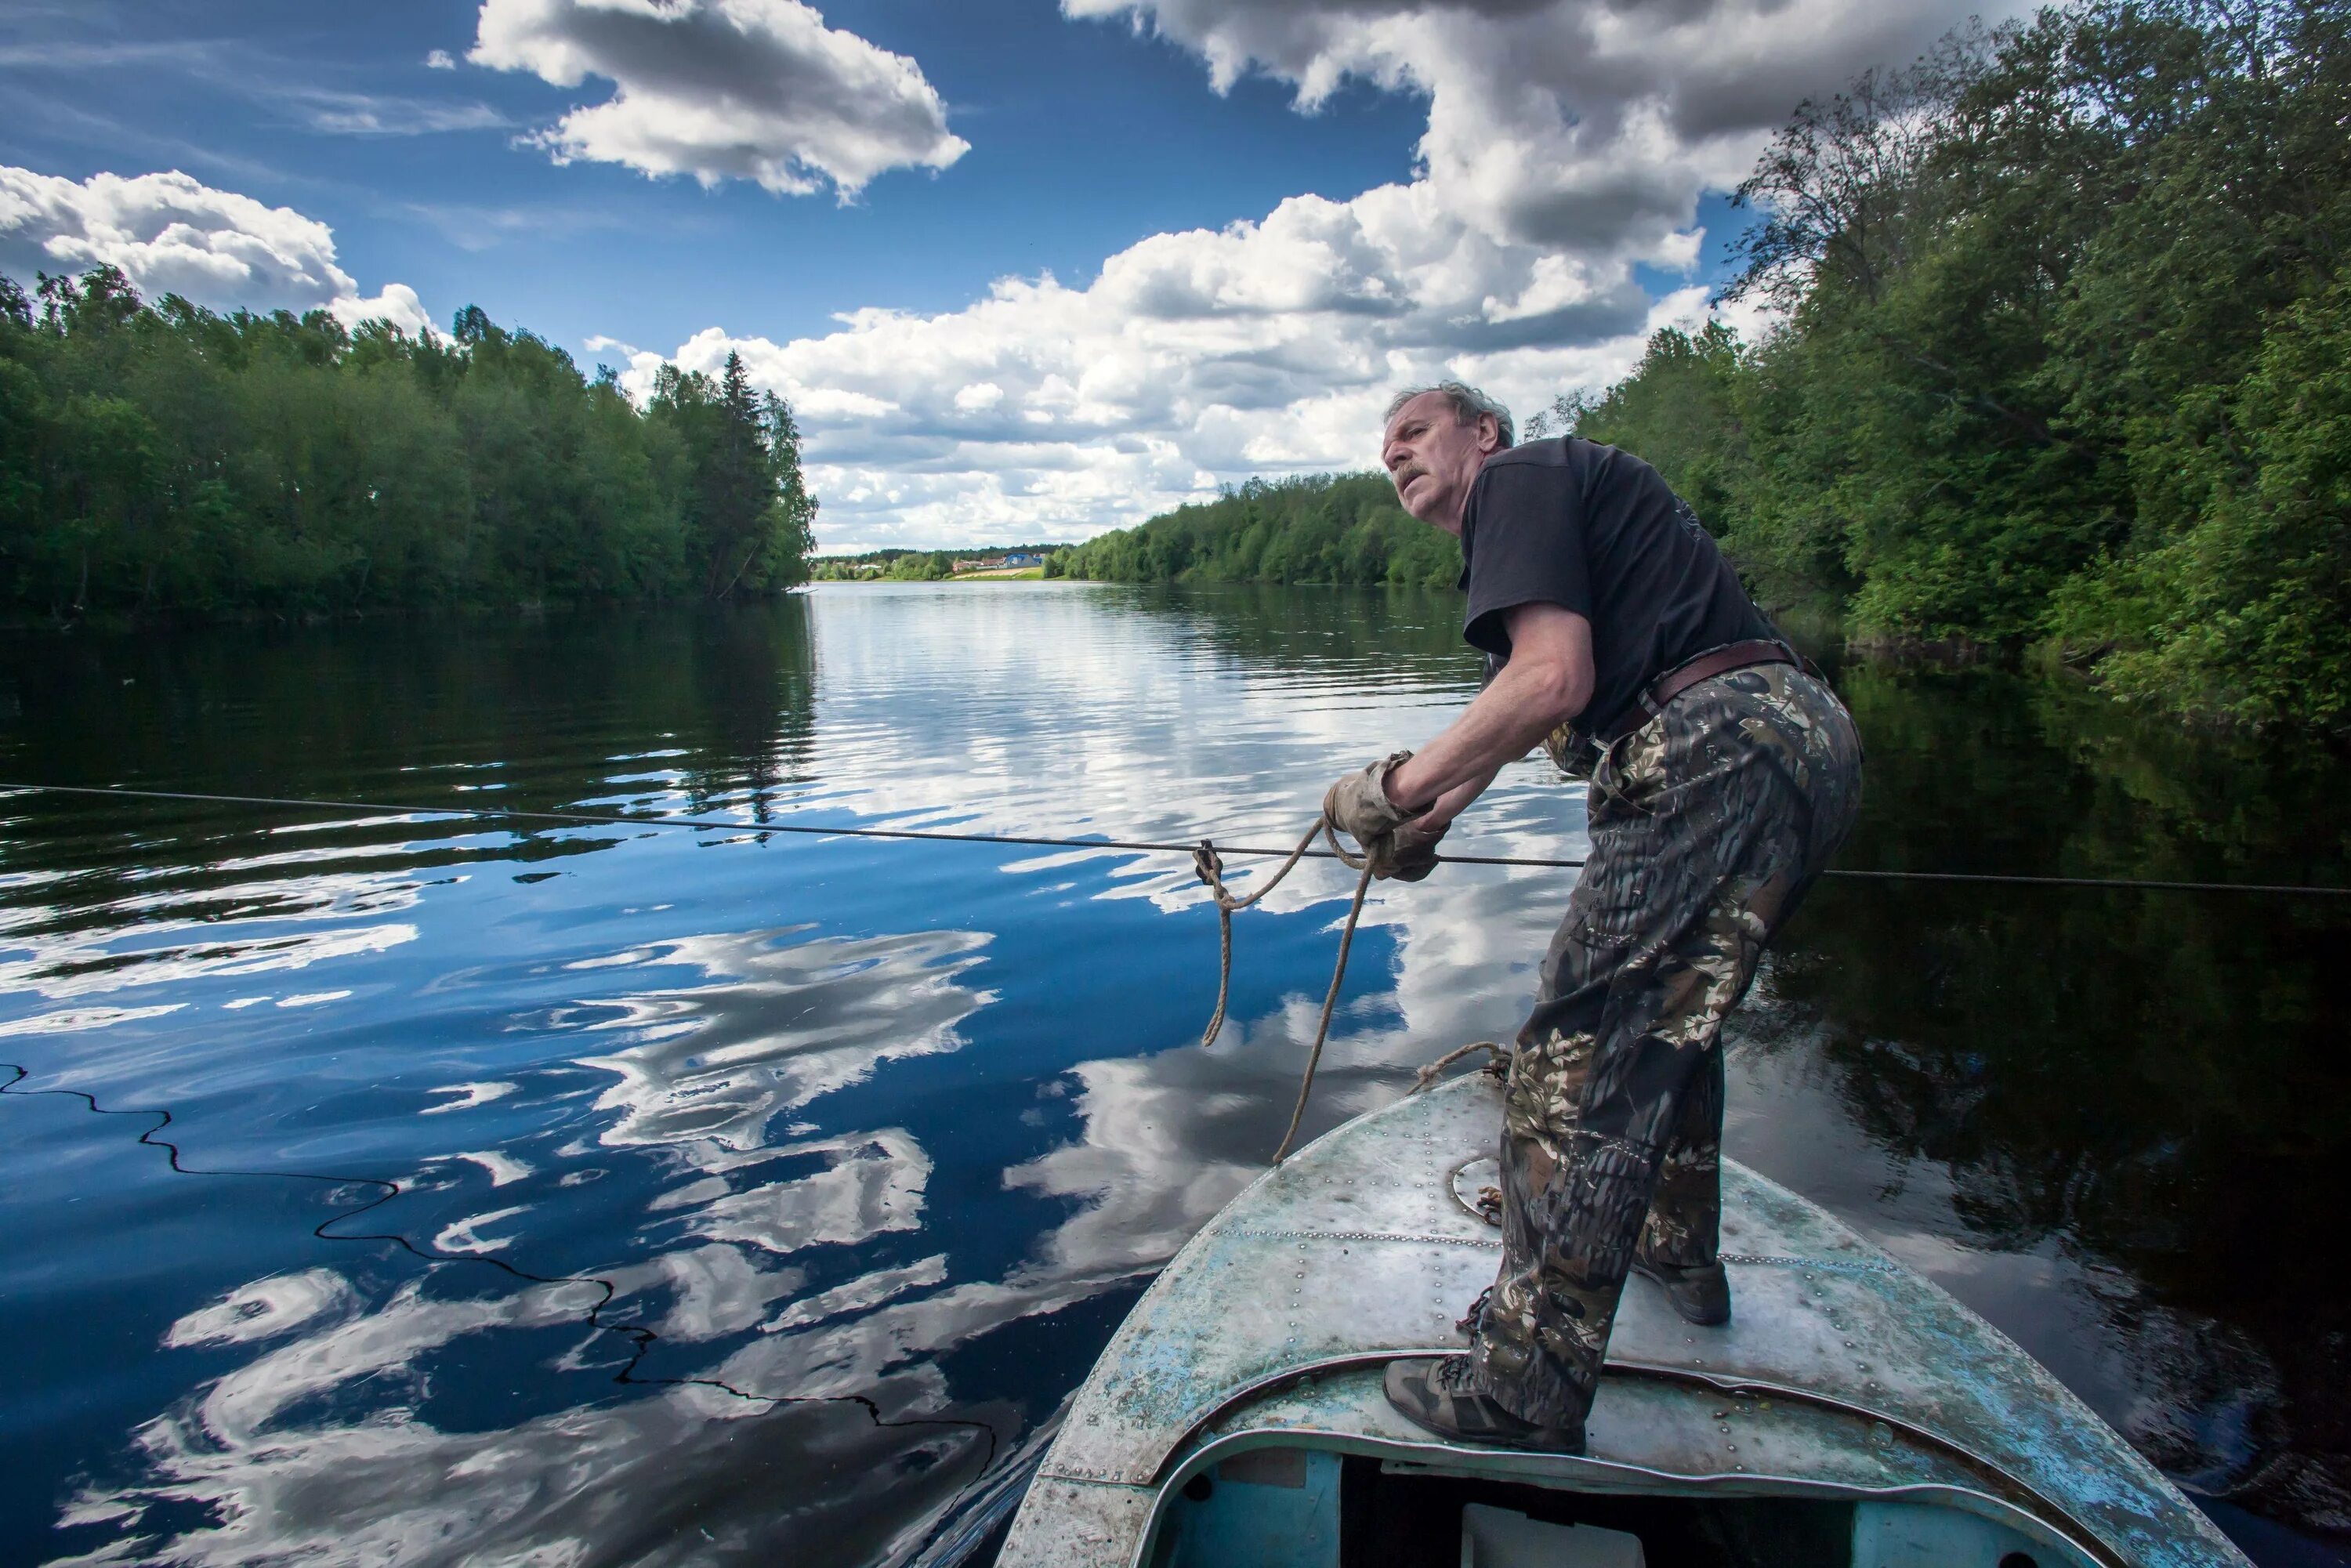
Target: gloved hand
[
  {"x": 1359, "y": 807},
  {"x": 1413, "y": 855}
]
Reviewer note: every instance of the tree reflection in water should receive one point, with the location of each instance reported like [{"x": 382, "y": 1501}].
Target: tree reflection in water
[{"x": 2150, "y": 1086}]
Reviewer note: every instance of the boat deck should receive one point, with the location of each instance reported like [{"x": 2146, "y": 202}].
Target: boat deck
[{"x": 1841, "y": 1373}]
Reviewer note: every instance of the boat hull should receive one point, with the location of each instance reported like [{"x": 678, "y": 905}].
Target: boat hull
[{"x": 1842, "y": 1375}]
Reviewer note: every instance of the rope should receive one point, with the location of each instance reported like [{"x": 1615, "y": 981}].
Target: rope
[
  {"x": 1496, "y": 1062},
  {"x": 1210, "y": 867},
  {"x": 709, "y": 824}
]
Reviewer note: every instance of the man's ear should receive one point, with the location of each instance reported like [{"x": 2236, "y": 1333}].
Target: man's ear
[{"x": 1489, "y": 434}]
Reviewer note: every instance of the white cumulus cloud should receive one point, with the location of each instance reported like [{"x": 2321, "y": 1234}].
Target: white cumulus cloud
[
  {"x": 720, "y": 89},
  {"x": 1568, "y": 144},
  {"x": 171, "y": 233},
  {"x": 1195, "y": 359},
  {"x": 1589, "y": 126}
]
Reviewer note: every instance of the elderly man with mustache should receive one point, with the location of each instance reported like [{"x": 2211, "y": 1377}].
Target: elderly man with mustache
[{"x": 1722, "y": 776}]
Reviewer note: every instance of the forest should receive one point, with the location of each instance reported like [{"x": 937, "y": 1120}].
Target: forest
[
  {"x": 2061, "y": 368},
  {"x": 160, "y": 460},
  {"x": 1338, "y": 528},
  {"x": 911, "y": 565}
]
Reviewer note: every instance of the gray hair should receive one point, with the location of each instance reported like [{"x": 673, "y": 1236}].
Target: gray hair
[{"x": 1468, "y": 402}]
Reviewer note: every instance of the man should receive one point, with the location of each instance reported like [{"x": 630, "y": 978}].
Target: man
[{"x": 1722, "y": 777}]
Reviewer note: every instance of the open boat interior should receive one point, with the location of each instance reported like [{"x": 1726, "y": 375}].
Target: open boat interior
[
  {"x": 1850, "y": 1413},
  {"x": 1309, "y": 1507}
]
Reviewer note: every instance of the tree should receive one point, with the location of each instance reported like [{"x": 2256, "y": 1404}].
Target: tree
[
  {"x": 749, "y": 511},
  {"x": 164, "y": 460},
  {"x": 1830, "y": 188},
  {"x": 2055, "y": 374},
  {"x": 1342, "y": 528}
]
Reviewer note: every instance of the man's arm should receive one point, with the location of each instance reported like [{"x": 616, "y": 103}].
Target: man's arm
[
  {"x": 1432, "y": 822},
  {"x": 1547, "y": 682}
]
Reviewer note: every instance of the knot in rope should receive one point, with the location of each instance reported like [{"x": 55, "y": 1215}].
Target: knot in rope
[{"x": 1209, "y": 866}]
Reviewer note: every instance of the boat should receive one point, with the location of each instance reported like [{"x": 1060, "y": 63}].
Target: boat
[{"x": 1850, "y": 1412}]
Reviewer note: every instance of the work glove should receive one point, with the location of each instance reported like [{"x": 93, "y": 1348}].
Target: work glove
[
  {"x": 1415, "y": 853},
  {"x": 1359, "y": 807}
]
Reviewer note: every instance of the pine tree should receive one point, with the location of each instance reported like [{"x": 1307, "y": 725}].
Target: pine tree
[{"x": 737, "y": 483}]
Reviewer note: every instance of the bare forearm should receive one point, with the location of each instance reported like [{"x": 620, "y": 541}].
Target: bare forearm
[
  {"x": 1507, "y": 720},
  {"x": 1455, "y": 800}
]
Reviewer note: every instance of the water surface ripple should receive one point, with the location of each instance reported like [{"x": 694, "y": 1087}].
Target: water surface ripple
[{"x": 423, "y": 1188}]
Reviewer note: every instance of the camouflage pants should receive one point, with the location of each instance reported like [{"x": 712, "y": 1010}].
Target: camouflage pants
[{"x": 1707, "y": 825}]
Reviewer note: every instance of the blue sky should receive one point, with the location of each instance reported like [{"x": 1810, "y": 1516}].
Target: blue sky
[{"x": 1027, "y": 270}]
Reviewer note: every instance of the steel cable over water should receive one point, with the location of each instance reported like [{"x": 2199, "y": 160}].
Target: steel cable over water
[
  {"x": 1207, "y": 864},
  {"x": 940, "y": 835}
]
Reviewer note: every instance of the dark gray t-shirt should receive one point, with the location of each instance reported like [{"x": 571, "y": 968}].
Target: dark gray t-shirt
[{"x": 1598, "y": 531}]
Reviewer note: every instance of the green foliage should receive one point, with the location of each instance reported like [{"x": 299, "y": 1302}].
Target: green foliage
[
  {"x": 922, "y": 566},
  {"x": 2065, "y": 319},
  {"x": 2246, "y": 610},
  {"x": 918, "y": 566},
  {"x": 1346, "y": 529},
  {"x": 164, "y": 459},
  {"x": 874, "y": 566},
  {"x": 1680, "y": 411},
  {"x": 747, "y": 513}
]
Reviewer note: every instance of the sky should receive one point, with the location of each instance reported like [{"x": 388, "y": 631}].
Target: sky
[{"x": 1025, "y": 270}]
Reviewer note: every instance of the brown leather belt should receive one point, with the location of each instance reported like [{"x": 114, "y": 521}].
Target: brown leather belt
[{"x": 1682, "y": 677}]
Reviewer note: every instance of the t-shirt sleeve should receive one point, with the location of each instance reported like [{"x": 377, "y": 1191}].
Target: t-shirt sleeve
[{"x": 1527, "y": 547}]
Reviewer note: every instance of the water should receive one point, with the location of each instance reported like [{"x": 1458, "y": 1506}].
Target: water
[{"x": 386, "y": 1186}]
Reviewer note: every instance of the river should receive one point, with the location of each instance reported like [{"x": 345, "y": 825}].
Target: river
[{"x": 393, "y": 1186}]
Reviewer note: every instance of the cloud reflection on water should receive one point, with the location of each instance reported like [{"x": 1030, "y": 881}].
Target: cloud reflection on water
[
  {"x": 774, "y": 1024},
  {"x": 679, "y": 1475},
  {"x": 321, "y": 1447},
  {"x": 762, "y": 1252}
]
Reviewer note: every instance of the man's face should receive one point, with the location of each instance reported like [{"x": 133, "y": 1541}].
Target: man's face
[{"x": 1432, "y": 458}]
